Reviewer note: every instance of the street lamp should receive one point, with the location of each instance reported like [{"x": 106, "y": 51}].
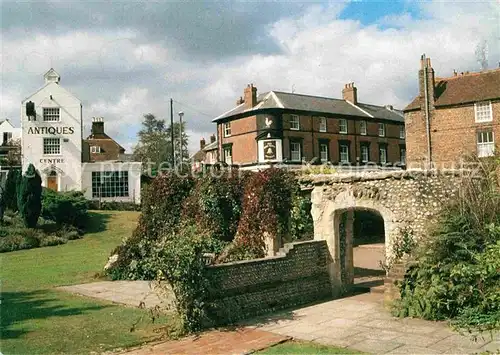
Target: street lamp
[{"x": 181, "y": 114}]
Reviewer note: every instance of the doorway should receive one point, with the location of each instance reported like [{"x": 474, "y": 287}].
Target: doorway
[{"x": 52, "y": 181}]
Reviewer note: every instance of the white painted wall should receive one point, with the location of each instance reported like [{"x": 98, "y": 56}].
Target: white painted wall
[
  {"x": 6, "y": 126},
  {"x": 68, "y": 164},
  {"x": 134, "y": 179}
]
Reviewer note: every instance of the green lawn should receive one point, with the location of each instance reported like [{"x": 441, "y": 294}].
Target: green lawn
[
  {"x": 295, "y": 347},
  {"x": 37, "y": 318}
]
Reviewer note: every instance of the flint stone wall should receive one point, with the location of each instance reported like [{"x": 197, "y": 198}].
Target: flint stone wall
[
  {"x": 297, "y": 275},
  {"x": 404, "y": 199}
]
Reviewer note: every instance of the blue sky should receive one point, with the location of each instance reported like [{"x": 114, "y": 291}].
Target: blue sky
[{"x": 125, "y": 59}]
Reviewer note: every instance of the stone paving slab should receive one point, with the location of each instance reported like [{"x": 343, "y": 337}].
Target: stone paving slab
[
  {"x": 361, "y": 323},
  {"x": 239, "y": 341},
  {"x": 130, "y": 293}
]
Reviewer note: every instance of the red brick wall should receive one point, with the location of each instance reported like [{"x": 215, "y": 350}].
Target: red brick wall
[
  {"x": 453, "y": 134},
  {"x": 243, "y": 134}
]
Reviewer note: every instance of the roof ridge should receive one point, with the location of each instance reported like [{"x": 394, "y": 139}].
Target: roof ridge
[{"x": 467, "y": 74}]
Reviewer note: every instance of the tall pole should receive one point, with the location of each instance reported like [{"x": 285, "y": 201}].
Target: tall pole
[
  {"x": 172, "y": 132},
  {"x": 180, "y": 134}
]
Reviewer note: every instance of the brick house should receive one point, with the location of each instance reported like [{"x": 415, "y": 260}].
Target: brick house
[
  {"x": 461, "y": 117},
  {"x": 279, "y": 127},
  {"x": 207, "y": 155},
  {"x": 101, "y": 147}
]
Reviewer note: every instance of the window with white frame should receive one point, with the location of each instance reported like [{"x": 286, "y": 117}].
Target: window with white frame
[
  {"x": 52, "y": 146},
  {"x": 322, "y": 124},
  {"x": 382, "y": 151},
  {"x": 109, "y": 184},
  {"x": 362, "y": 128},
  {"x": 485, "y": 144},
  {"x": 402, "y": 133},
  {"x": 323, "y": 152},
  {"x": 381, "y": 129},
  {"x": 51, "y": 114},
  {"x": 294, "y": 122},
  {"x": 95, "y": 149},
  {"x": 227, "y": 129},
  {"x": 344, "y": 153},
  {"x": 365, "y": 154},
  {"x": 343, "y": 126},
  {"x": 295, "y": 151},
  {"x": 483, "y": 111},
  {"x": 228, "y": 155}
]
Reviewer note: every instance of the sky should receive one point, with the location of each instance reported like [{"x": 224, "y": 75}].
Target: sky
[{"x": 124, "y": 59}]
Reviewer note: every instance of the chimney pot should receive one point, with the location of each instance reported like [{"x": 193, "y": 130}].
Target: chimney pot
[
  {"x": 212, "y": 138},
  {"x": 202, "y": 143}
]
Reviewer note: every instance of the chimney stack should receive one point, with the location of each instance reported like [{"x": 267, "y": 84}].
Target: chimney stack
[
  {"x": 97, "y": 125},
  {"x": 250, "y": 95},
  {"x": 239, "y": 101},
  {"x": 425, "y": 65},
  {"x": 350, "y": 93},
  {"x": 202, "y": 143},
  {"x": 212, "y": 138}
]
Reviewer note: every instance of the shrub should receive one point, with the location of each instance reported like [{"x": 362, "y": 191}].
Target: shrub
[
  {"x": 161, "y": 214},
  {"x": 267, "y": 201},
  {"x": 178, "y": 260},
  {"x": 457, "y": 271},
  {"x": 214, "y": 204},
  {"x": 11, "y": 186},
  {"x": 302, "y": 226},
  {"x": 29, "y": 198},
  {"x": 113, "y": 206},
  {"x": 65, "y": 208}
]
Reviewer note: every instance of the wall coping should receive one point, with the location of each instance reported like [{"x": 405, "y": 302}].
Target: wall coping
[
  {"x": 286, "y": 249},
  {"x": 322, "y": 179}
]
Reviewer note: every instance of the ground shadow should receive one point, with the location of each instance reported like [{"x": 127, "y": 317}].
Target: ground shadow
[
  {"x": 20, "y": 306},
  {"x": 97, "y": 222},
  {"x": 362, "y": 272}
]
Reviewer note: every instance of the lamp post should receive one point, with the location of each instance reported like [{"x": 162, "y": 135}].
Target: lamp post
[{"x": 181, "y": 114}]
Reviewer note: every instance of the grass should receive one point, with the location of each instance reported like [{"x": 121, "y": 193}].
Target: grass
[
  {"x": 296, "y": 347},
  {"x": 37, "y": 318}
]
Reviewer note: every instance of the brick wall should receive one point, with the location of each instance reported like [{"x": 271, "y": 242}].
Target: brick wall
[
  {"x": 248, "y": 288},
  {"x": 453, "y": 133}
]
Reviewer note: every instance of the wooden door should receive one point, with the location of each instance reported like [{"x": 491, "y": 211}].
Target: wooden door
[{"x": 52, "y": 182}]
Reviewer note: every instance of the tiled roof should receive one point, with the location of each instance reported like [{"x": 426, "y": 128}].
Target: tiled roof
[
  {"x": 325, "y": 105},
  {"x": 464, "y": 89},
  {"x": 210, "y": 146}
]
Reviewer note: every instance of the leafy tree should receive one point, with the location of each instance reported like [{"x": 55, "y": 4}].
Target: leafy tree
[
  {"x": 29, "y": 197},
  {"x": 11, "y": 187},
  {"x": 155, "y": 148}
]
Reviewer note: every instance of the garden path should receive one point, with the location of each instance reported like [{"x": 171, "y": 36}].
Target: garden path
[{"x": 359, "y": 323}]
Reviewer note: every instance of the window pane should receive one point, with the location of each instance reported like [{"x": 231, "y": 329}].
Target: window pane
[
  {"x": 362, "y": 127},
  {"x": 110, "y": 184},
  {"x": 343, "y": 126},
  {"x": 51, "y": 114},
  {"x": 295, "y": 151}
]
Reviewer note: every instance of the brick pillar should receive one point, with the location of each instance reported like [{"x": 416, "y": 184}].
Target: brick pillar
[
  {"x": 272, "y": 245},
  {"x": 349, "y": 254}
]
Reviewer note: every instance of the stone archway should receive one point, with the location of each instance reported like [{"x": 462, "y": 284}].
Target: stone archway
[{"x": 327, "y": 209}]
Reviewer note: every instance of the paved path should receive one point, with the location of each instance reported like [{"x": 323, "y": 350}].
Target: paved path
[
  {"x": 361, "y": 323},
  {"x": 239, "y": 341},
  {"x": 131, "y": 293}
]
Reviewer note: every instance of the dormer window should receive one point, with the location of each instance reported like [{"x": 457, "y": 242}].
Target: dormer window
[
  {"x": 483, "y": 112},
  {"x": 95, "y": 149},
  {"x": 51, "y": 114}
]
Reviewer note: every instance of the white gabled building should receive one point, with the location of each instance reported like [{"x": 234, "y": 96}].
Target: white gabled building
[{"x": 52, "y": 140}]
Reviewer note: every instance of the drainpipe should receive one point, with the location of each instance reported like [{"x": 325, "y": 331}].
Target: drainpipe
[{"x": 427, "y": 116}]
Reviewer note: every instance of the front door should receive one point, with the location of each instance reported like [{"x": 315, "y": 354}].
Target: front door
[{"x": 52, "y": 181}]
